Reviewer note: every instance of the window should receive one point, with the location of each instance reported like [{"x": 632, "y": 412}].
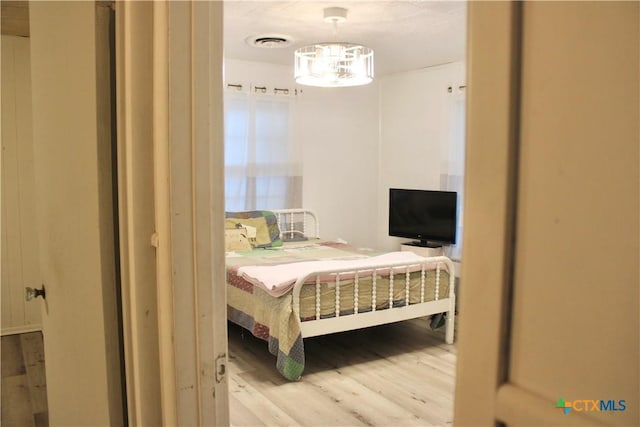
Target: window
[{"x": 262, "y": 166}]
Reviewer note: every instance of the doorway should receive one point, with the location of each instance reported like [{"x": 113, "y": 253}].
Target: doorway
[{"x": 354, "y": 127}]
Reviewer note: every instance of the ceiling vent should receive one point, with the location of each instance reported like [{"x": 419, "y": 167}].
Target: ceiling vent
[{"x": 269, "y": 41}]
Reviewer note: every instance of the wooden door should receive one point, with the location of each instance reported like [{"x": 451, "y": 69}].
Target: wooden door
[
  {"x": 549, "y": 326},
  {"x": 74, "y": 200}
]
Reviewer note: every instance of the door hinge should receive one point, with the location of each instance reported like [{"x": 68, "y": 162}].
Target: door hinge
[{"x": 221, "y": 367}]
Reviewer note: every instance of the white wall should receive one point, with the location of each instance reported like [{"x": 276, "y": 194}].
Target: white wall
[
  {"x": 358, "y": 142},
  {"x": 340, "y": 133},
  {"x": 414, "y": 131}
]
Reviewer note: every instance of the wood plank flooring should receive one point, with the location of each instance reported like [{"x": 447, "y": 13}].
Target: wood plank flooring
[
  {"x": 24, "y": 390},
  {"x": 393, "y": 375}
]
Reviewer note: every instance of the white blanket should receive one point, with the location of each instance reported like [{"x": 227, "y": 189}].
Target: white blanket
[{"x": 277, "y": 280}]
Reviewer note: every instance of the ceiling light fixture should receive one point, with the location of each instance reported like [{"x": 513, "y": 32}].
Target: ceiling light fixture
[{"x": 334, "y": 64}]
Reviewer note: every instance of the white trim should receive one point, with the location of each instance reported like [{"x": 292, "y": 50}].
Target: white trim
[
  {"x": 196, "y": 143},
  {"x": 162, "y": 198},
  {"x": 20, "y": 329},
  {"x": 134, "y": 66},
  {"x": 170, "y": 160}
]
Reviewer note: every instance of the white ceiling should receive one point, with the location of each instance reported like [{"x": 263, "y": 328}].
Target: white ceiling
[{"x": 405, "y": 35}]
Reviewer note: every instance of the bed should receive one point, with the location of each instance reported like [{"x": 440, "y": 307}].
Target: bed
[{"x": 285, "y": 283}]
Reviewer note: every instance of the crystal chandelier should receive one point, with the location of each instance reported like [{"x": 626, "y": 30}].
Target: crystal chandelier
[{"x": 334, "y": 64}]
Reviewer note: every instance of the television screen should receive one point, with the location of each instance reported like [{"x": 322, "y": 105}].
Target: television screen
[{"x": 426, "y": 215}]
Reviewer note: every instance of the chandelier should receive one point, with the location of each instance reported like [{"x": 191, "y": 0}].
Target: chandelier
[{"x": 334, "y": 64}]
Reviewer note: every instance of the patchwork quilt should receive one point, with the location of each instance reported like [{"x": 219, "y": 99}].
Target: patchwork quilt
[{"x": 272, "y": 319}]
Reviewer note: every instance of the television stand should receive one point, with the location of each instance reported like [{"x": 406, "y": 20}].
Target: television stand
[
  {"x": 425, "y": 251},
  {"x": 425, "y": 244}
]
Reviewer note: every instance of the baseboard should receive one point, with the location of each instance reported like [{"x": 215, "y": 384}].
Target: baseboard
[{"x": 20, "y": 329}]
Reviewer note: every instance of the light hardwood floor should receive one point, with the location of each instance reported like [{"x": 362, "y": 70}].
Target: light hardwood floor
[
  {"x": 393, "y": 375},
  {"x": 24, "y": 391}
]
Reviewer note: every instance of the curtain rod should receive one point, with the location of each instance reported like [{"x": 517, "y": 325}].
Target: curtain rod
[{"x": 264, "y": 89}]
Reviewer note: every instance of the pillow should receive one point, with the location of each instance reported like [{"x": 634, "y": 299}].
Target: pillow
[
  {"x": 265, "y": 223},
  {"x": 235, "y": 240}
]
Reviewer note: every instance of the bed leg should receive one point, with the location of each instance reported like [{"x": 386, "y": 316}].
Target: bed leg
[
  {"x": 449, "y": 332},
  {"x": 451, "y": 315}
]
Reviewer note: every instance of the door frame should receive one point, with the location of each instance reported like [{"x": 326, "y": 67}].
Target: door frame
[
  {"x": 493, "y": 75},
  {"x": 172, "y": 238}
]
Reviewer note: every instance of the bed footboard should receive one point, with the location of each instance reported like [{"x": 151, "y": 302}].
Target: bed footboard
[{"x": 369, "y": 296}]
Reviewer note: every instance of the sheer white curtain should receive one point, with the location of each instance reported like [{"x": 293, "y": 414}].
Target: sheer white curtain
[
  {"x": 262, "y": 160},
  {"x": 452, "y": 177}
]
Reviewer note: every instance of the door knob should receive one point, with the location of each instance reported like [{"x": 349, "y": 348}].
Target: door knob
[{"x": 32, "y": 293}]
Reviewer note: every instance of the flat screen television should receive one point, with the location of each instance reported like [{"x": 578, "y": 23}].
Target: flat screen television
[{"x": 425, "y": 215}]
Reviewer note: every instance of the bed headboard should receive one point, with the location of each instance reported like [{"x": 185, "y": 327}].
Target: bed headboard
[{"x": 297, "y": 222}]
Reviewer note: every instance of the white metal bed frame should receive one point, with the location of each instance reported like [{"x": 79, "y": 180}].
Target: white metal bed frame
[
  {"x": 398, "y": 272},
  {"x": 288, "y": 218}
]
